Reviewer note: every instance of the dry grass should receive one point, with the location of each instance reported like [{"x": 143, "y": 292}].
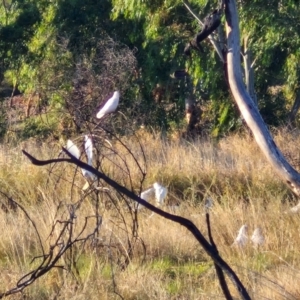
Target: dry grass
[{"x": 233, "y": 173}]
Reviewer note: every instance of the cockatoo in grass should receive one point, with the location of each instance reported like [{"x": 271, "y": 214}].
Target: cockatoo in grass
[
  {"x": 257, "y": 237},
  {"x": 295, "y": 209},
  {"x": 73, "y": 149},
  {"x": 242, "y": 238},
  {"x": 146, "y": 195},
  {"x": 160, "y": 193}
]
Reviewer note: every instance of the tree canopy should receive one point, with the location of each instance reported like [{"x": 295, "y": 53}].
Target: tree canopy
[{"x": 43, "y": 45}]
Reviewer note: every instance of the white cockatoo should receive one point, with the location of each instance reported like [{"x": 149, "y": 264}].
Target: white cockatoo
[
  {"x": 242, "y": 238},
  {"x": 110, "y": 105},
  {"x": 160, "y": 193},
  {"x": 257, "y": 237},
  {"x": 146, "y": 195},
  {"x": 88, "y": 147},
  {"x": 73, "y": 149}
]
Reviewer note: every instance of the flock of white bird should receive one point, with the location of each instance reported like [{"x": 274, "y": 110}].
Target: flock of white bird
[
  {"x": 88, "y": 147},
  {"x": 257, "y": 237},
  {"x": 109, "y": 106},
  {"x": 157, "y": 190}
]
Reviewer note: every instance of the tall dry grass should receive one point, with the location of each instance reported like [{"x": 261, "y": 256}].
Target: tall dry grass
[{"x": 233, "y": 172}]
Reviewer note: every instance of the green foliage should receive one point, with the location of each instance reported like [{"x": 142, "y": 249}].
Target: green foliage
[
  {"x": 165, "y": 28},
  {"x": 18, "y": 26},
  {"x": 226, "y": 119},
  {"x": 275, "y": 40},
  {"x": 273, "y": 109},
  {"x": 42, "y": 44},
  {"x": 36, "y": 127}
]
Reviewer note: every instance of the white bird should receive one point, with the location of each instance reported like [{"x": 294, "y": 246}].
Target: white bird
[
  {"x": 295, "y": 209},
  {"x": 110, "y": 105},
  {"x": 146, "y": 195},
  {"x": 242, "y": 238},
  {"x": 88, "y": 147},
  {"x": 257, "y": 237},
  {"x": 73, "y": 149},
  {"x": 160, "y": 193}
]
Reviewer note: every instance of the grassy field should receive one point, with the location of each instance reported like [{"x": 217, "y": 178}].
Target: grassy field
[{"x": 172, "y": 265}]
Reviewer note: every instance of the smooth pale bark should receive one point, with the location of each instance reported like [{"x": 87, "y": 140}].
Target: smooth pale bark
[
  {"x": 249, "y": 73},
  {"x": 247, "y": 107}
]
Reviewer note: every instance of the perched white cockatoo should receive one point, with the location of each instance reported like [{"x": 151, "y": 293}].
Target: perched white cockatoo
[
  {"x": 88, "y": 147},
  {"x": 73, "y": 149},
  {"x": 242, "y": 238},
  {"x": 160, "y": 193},
  {"x": 257, "y": 237},
  {"x": 109, "y": 106}
]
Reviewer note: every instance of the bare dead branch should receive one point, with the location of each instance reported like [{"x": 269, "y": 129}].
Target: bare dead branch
[
  {"x": 219, "y": 271},
  {"x": 213, "y": 41}
]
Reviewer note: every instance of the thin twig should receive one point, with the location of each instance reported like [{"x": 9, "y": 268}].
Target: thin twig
[{"x": 28, "y": 217}]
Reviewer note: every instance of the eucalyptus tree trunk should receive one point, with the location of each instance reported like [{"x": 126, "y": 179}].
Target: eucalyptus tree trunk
[
  {"x": 249, "y": 73},
  {"x": 246, "y": 105}
]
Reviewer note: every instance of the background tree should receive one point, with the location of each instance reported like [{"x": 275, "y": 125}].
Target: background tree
[{"x": 43, "y": 42}]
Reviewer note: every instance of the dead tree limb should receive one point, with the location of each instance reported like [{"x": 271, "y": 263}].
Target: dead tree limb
[
  {"x": 213, "y": 41},
  {"x": 247, "y": 107},
  {"x": 219, "y": 270},
  {"x": 190, "y": 226}
]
